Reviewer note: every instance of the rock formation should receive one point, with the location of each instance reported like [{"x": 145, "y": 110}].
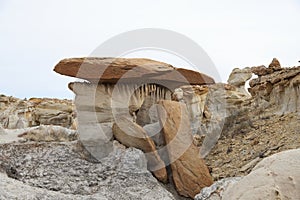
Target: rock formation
[
  {"x": 238, "y": 78},
  {"x": 128, "y": 90},
  {"x": 272, "y": 111},
  {"x": 132, "y": 135},
  {"x": 17, "y": 113},
  {"x": 189, "y": 172},
  {"x": 277, "y": 90},
  {"x": 57, "y": 171},
  {"x": 159, "y": 113},
  {"x": 114, "y": 89},
  {"x": 46, "y": 133},
  {"x": 275, "y": 177}
]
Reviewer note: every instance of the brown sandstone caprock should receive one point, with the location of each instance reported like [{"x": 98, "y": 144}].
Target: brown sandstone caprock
[
  {"x": 190, "y": 174},
  {"x": 132, "y": 135},
  {"x": 130, "y": 70}
]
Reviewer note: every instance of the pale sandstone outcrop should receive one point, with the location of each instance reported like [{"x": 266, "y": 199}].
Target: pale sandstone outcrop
[
  {"x": 57, "y": 171},
  {"x": 238, "y": 78},
  {"x": 49, "y": 133},
  {"x": 99, "y": 105},
  {"x": 275, "y": 177},
  {"x": 189, "y": 172}
]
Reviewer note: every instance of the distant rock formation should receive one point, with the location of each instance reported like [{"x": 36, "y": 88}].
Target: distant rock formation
[
  {"x": 18, "y": 113},
  {"x": 277, "y": 89}
]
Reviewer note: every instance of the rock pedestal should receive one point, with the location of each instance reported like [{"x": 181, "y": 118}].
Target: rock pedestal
[
  {"x": 119, "y": 86},
  {"x": 120, "y": 98}
]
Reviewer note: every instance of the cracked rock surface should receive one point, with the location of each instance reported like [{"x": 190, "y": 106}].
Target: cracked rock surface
[{"x": 57, "y": 171}]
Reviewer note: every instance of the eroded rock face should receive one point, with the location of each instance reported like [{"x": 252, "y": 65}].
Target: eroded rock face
[
  {"x": 195, "y": 99},
  {"x": 278, "y": 91},
  {"x": 99, "y": 105},
  {"x": 17, "y": 113},
  {"x": 275, "y": 177},
  {"x": 132, "y": 135},
  {"x": 212, "y": 110},
  {"x": 238, "y": 78},
  {"x": 189, "y": 172},
  {"x": 271, "y": 112}
]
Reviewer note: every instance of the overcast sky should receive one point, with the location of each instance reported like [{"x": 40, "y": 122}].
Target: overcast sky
[{"x": 36, "y": 34}]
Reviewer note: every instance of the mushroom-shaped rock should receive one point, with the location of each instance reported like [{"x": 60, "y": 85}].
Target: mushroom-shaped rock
[
  {"x": 133, "y": 70},
  {"x": 120, "y": 86},
  {"x": 238, "y": 77}
]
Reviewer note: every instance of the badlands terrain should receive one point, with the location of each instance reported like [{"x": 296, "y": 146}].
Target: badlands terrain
[{"x": 143, "y": 129}]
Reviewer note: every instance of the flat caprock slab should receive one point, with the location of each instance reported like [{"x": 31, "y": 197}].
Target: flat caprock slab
[{"x": 133, "y": 70}]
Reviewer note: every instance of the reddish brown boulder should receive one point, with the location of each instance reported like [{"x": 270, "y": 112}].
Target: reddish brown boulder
[
  {"x": 275, "y": 64},
  {"x": 111, "y": 70},
  {"x": 132, "y": 135},
  {"x": 190, "y": 173},
  {"x": 261, "y": 70}
]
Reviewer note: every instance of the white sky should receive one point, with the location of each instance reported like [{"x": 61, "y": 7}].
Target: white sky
[{"x": 36, "y": 34}]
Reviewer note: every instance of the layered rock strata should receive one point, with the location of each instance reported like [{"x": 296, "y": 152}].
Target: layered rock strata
[
  {"x": 18, "y": 113},
  {"x": 277, "y": 90}
]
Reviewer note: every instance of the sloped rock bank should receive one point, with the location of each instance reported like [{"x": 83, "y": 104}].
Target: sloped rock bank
[
  {"x": 275, "y": 177},
  {"x": 260, "y": 125}
]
